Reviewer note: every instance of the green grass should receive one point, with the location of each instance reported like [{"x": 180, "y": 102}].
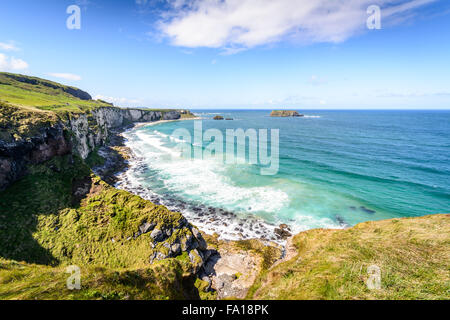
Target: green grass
[
  {"x": 28, "y": 104},
  {"x": 43, "y": 223},
  {"x": 26, "y": 108},
  {"x": 164, "y": 280},
  {"x": 18, "y": 122},
  {"x": 42, "y": 95},
  {"x": 45, "y": 227},
  {"x": 413, "y": 255},
  {"x": 94, "y": 159}
]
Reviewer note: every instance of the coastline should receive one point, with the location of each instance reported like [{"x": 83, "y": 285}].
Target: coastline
[
  {"x": 234, "y": 264},
  {"x": 120, "y": 160},
  {"x": 116, "y": 154},
  {"x": 154, "y": 123}
]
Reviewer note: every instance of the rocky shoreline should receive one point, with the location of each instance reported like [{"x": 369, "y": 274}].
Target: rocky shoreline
[
  {"x": 228, "y": 267},
  {"x": 119, "y": 158}
]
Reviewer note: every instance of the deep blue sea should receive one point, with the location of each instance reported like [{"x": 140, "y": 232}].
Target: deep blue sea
[{"x": 336, "y": 169}]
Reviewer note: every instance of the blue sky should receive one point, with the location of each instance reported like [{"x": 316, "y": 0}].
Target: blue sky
[{"x": 251, "y": 54}]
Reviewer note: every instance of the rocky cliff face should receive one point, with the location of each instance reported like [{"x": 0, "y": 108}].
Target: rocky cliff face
[
  {"x": 14, "y": 156},
  {"x": 79, "y": 134}
]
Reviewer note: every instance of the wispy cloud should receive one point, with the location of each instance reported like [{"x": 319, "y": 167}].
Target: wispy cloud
[
  {"x": 117, "y": 101},
  {"x": 317, "y": 80},
  {"x": 66, "y": 76},
  {"x": 8, "y": 46},
  {"x": 236, "y": 25},
  {"x": 11, "y": 63},
  {"x": 414, "y": 94}
]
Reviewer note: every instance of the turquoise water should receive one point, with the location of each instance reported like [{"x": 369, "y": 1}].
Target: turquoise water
[{"x": 337, "y": 168}]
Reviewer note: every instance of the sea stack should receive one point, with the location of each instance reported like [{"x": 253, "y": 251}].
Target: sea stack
[
  {"x": 218, "y": 118},
  {"x": 285, "y": 113}
]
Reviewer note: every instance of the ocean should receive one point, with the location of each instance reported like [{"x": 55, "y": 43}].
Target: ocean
[{"x": 336, "y": 169}]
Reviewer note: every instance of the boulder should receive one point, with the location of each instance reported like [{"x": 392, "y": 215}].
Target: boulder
[
  {"x": 201, "y": 241},
  {"x": 147, "y": 227},
  {"x": 282, "y": 233},
  {"x": 157, "y": 235}
]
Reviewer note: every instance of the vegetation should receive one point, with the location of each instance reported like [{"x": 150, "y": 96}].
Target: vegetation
[
  {"x": 44, "y": 95},
  {"x": 16, "y": 122},
  {"x": 60, "y": 214},
  {"x": 162, "y": 280},
  {"x": 94, "y": 159},
  {"x": 412, "y": 255},
  {"x": 186, "y": 114},
  {"x": 28, "y": 104}
]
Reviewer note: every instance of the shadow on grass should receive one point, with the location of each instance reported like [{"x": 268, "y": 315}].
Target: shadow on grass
[{"x": 45, "y": 191}]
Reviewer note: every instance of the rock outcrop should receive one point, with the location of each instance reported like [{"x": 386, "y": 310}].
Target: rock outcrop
[
  {"x": 285, "y": 113},
  {"x": 15, "y": 155},
  {"x": 233, "y": 266}
]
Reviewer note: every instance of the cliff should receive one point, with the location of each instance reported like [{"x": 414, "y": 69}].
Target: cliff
[
  {"x": 40, "y": 119},
  {"x": 56, "y": 212},
  {"x": 285, "y": 113},
  {"x": 35, "y": 136}
]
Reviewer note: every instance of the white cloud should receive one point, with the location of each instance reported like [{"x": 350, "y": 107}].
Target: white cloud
[
  {"x": 236, "y": 25},
  {"x": 117, "y": 101},
  {"x": 11, "y": 63},
  {"x": 66, "y": 76},
  {"x": 10, "y": 46}
]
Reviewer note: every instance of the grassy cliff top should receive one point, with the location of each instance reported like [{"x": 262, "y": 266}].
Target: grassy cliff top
[
  {"x": 412, "y": 254},
  {"x": 37, "y": 94},
  {"x": 28, "y": 104}
]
